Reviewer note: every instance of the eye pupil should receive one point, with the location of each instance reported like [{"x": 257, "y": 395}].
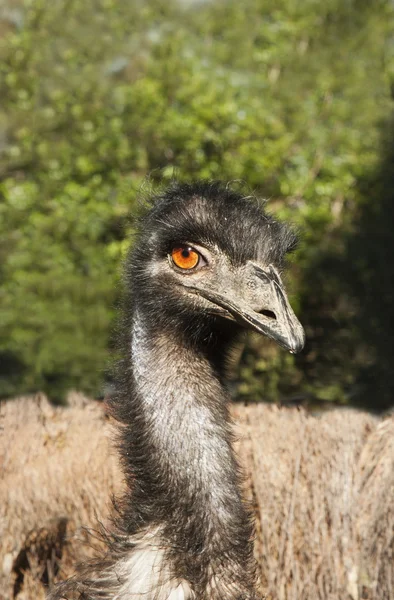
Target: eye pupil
[{"x": 185, "y": 253}]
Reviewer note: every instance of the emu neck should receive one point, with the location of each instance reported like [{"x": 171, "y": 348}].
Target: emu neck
[
  {"x": 182, "y": 426},
  {"x": 184, "y": 503}
]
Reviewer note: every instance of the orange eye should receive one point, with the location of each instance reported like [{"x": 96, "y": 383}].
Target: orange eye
[{"x": 185, "y": 257}]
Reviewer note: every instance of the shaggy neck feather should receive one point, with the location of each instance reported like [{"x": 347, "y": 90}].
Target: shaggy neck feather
[
  {"x": 180, "y": 466},
  {"x": 185, "y": 418}
]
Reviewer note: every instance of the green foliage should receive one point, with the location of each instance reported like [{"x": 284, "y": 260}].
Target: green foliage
[{"x": 95, "y": 96}]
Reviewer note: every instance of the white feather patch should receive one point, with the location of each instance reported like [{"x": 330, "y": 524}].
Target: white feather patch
[{"x": 145, "y": 573}]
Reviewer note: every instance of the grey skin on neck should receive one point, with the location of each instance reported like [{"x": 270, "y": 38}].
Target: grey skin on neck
[{"x": 185, "y": 476}]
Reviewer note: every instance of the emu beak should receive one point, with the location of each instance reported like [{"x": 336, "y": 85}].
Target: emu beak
[{"x": 259, "y": 302}]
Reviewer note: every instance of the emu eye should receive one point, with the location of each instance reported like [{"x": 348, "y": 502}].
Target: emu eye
[{"x": 185, "y": 257}]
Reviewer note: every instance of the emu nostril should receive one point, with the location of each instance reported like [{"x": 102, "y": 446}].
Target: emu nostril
[{"x": 268, "y": 313}]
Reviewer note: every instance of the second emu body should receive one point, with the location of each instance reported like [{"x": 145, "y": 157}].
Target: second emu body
[{"x": 205, "y": 264}]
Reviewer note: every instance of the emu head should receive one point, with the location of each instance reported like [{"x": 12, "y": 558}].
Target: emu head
[{"x": 208, "y": 255}]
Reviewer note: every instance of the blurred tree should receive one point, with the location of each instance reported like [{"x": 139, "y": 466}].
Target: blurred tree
[
  {"x": 97, "y": 95},
  {"x": 370, "y": 250}
]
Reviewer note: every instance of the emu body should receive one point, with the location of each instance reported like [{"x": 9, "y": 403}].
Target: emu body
[{"x": 205, "y": 265}]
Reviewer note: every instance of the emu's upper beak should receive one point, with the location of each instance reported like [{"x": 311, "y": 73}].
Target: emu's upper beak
[{"x": 258, "y": 301}]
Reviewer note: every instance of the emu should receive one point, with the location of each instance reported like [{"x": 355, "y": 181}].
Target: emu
[{"x": 206, "y": 264}]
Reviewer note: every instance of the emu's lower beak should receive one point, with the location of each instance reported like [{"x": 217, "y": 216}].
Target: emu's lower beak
[{"x": 259, "y": 302}]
